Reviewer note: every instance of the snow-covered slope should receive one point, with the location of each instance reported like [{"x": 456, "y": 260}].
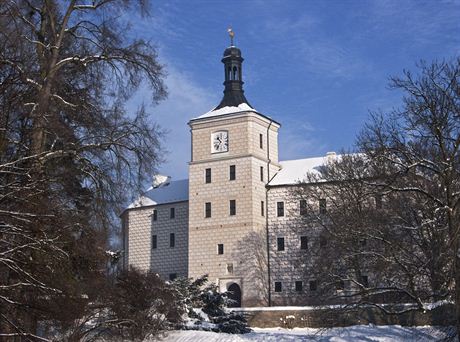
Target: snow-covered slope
[{"x": 357, "y": 333}]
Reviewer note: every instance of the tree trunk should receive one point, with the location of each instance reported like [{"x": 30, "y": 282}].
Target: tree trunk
[{"x": 457, "y": 286}]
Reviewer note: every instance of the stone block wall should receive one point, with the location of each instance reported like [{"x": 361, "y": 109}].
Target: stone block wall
[
  {"x": 236, "y": 232},
  {"x": 137, "y": 234},
  {"x": 293, "y": 264},
  {"x": 139, "y": 227},
  {"x": 317, "y": 317},
  {"x": 166, "y": 260}
]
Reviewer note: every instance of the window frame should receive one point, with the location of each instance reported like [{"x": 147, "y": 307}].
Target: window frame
[
  {"x": 298, "y": 288},
  {"x": 378, "y": 201},
  {"x": 220, "y": 249},
  {"x": 280, "y": 244},
  {"x": 207, "y": 210},
  {"x": 232, "y": 207},
  {"x": 323, "y": 241},
  {"x": 340, "y": 285},
  {"x": 172, "y": 213},
  {"x": 172, "y": 240},
  {"x": 154, "y": 241},
  {"x": 304, "y": 243},
  {"x": 365, "y": 280},
  {"x": 278, "y": 286},
  {"x": 322, "y": 205},
  {"x": 229, "y": 269},
  {"x": 280, "y": 209},
  {"x": 232, "y": 173},
  {"x": 303, "y": 207},
  {"x": 207, "y": 176}
]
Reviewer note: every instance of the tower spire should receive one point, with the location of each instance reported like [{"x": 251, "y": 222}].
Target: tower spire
[
  {"x": 231, "y": 34},
  {"x": 233, "y": 91}
]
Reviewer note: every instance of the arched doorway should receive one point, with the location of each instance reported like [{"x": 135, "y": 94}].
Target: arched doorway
[{"x": 234, "y": 293}]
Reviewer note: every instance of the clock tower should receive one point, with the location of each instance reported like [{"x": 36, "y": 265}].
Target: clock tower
[{"x": 234, "y": 155}]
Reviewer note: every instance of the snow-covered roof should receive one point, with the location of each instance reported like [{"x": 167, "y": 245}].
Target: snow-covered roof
[
  {"x": 242, "y": 107},
  {"x": 295, "y": 171},
  {"x": 170, "y": 192}
]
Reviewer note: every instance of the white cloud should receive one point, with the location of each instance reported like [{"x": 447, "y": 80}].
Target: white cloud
[{"x": 186, "y": 99}]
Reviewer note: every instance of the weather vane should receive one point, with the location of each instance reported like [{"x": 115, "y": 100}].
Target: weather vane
[{"x": 231, "y": 34}]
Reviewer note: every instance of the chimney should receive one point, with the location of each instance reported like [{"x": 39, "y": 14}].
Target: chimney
[{"x": 160, "y": 181}]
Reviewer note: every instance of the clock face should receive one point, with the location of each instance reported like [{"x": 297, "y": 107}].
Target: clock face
[{"x": 219, "y": 142}]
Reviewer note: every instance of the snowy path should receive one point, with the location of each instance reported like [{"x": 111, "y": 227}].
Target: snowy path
[{"x": 357, "y": 333}]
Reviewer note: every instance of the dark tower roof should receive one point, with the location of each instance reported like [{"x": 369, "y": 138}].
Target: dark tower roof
[{"x": 233, "y": 91}]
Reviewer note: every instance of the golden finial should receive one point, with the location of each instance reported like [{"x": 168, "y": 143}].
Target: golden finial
[{"x": 231, "y": 34}]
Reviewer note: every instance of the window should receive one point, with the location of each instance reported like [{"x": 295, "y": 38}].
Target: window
[
  {"x": 262, "y": 208},
  {"x": 322, "y": 206},
  {"x": 340, "y": 285},
  {"x": 303, "y": 207},
  {"x": 229, "y": 268},
  {"x": 278, "y": 287},
  {"x": 232, "y": 172},
  {"x": 280, "y": 209},
  {"x": 280, "y": 244},
  {"x": 172, "y": 240},
  {"x": 313, "y": 285},
  {"x": 207, "y": 176},
  {"x": 172, "y": 213},
  {"x": 378, "y": 201},
  {"x": 172, "y": 276},
  {"x": 298, "y": 286},
  {"x": 365, "y": 281},
  {"x": 261, "y": 141},
  {"x": 154, "y": 241},
  {"x": 220, "y": 248},
  {"x": 322, "y": 241},
  {"x": 155, "y": 215},
  {"x": 261, "y": 173},
  {"x": 207, "y": 209},
  {"x": 303, "y": 242},
  {"x": 232, "y": 207}
]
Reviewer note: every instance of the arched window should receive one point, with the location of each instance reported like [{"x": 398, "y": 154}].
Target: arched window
[
  {"x": 229, "y": 73},
  {"x": 235, "y": 73}
]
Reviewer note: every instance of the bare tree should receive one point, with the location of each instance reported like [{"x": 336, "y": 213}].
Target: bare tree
[
  {"x": 68, "y": 150},
  {"x": 392, "y": 210},
  {"x": 251, "y": 257}
]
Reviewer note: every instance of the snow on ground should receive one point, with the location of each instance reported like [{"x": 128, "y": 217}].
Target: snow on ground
[{"x": 356, "y": 333}]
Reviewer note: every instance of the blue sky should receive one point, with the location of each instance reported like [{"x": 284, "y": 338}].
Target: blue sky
[{"x": 317, "y": 67}]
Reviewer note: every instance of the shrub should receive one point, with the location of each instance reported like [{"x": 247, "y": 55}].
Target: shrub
[{"x": 206, "y": 308}]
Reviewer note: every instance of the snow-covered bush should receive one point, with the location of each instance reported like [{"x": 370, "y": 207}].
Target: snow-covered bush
[{"x": 205, "y": 307}]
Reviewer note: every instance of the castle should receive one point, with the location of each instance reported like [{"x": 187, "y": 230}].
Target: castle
[{"x": 232, "y": 218}]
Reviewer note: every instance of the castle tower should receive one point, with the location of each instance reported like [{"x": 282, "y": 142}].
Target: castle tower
[{"x": 234, "y": 155}]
